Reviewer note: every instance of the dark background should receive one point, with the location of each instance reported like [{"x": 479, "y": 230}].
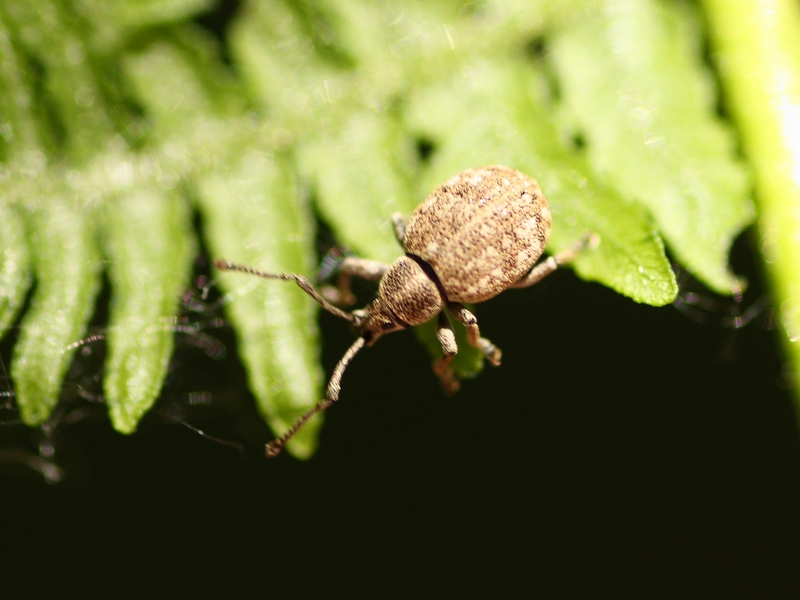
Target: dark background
[{"x": 620, "y": 450}]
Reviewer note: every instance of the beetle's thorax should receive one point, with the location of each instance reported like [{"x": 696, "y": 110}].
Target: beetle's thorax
[{"x": 406, "y": 296}]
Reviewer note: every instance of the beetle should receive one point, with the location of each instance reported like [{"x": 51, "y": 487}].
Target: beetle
[{"x": 480, "y": 233}]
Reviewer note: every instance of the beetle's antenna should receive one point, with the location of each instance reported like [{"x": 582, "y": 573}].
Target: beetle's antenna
[
  {"x": 331, "y": 395},
  {"x": 304, "y": 284}
]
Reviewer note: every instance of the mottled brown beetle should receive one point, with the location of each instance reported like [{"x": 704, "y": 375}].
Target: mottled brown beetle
[{"x": 477, "y": 235}]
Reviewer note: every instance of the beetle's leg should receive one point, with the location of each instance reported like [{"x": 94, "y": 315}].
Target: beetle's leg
[
  {"x": 399, "y": 228},
  {"x": 551, "y": 263},
  {"x": 371, "y": 270},
  {"x": 492, "y": 353},
  {"x": 446, "y": 337}
]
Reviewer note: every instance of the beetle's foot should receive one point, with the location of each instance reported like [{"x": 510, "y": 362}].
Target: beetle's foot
[
  {"x": 492, "y": 353},
  {"x": 449, "y": 382}
]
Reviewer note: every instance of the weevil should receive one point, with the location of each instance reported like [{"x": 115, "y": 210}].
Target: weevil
[{"x": 480, "y": 233}]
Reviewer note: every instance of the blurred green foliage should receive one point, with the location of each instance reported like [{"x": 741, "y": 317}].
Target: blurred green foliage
[
  {"x": 757, "y": 48},
  {"x": 118, "y": 120}
]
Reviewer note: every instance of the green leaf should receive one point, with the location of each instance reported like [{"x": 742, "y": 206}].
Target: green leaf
[
  {"x": 634, "y": 87},
  {"x": 136, "y": 13},
  {"x": 66, "y": 261},
  {"x": 14, "y": 265},
  {"x": 76, "y": 102},
  {"x": 122, "y": 116},
  {"x": 17, "y": 125},
  {"x": 289, "y": 70},
  {"x": 362, "y": 175},
  {"x": 254, "y": 215},
  {"x": 758, "y": 52},
  {"x": 501, "y": 118},
  {"x": 178, "y": 78},
  {"x": 149, "y": 245}
]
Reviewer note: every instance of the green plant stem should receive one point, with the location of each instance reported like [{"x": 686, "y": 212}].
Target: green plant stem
[{"x": 757, "y": 47}]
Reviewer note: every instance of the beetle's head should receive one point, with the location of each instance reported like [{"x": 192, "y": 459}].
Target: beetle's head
[
  {"x": 406, "y": 296},
  {"x": 372, "y": 321}
]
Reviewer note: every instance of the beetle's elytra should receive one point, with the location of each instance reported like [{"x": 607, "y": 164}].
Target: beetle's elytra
[{"x": 480, "y": 233}]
